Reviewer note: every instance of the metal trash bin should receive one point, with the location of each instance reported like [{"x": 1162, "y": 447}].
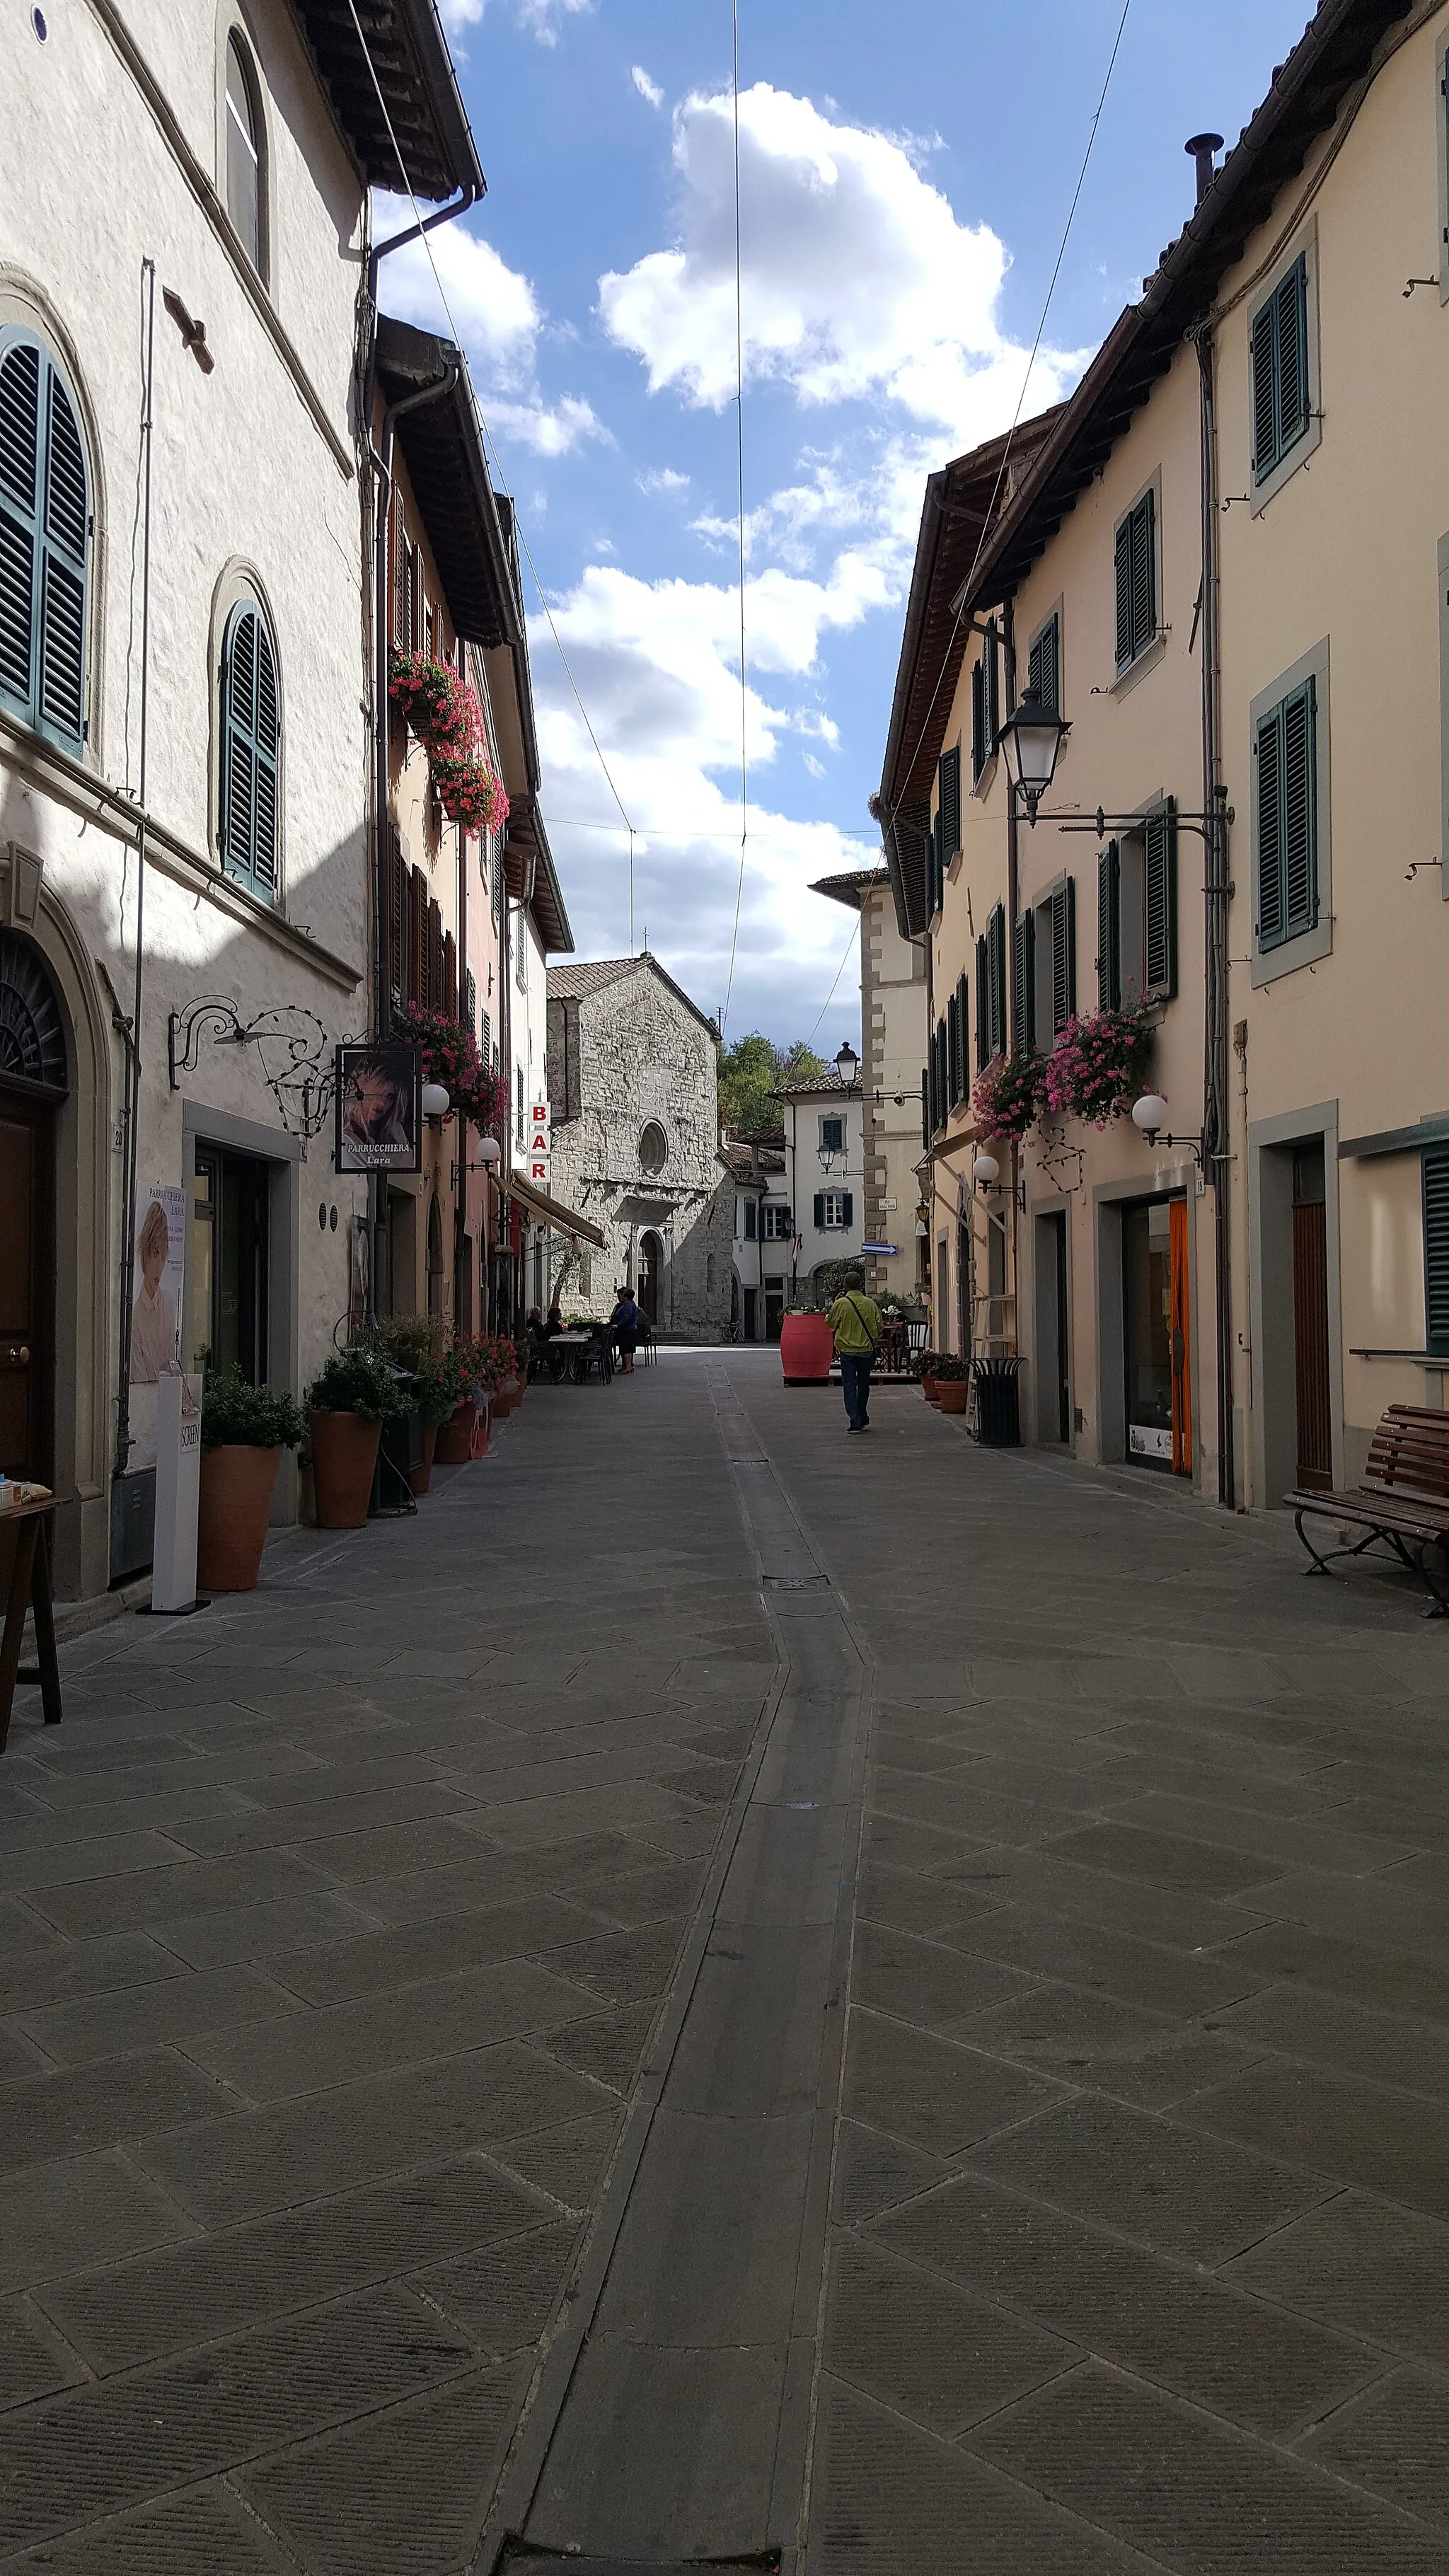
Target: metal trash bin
[{"x": 998, "y": 1403}]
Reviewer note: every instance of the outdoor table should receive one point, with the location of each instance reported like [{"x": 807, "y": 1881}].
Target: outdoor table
[{"x": 29, "y": 1581}]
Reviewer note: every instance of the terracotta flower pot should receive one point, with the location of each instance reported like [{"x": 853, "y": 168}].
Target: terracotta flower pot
[
  {"x": 419, "y": 1478},
  {"x": 344, "y": 1456},
  {"x": 454, "y": 1444},
  {"x": 807, "y": 1347},
  {"x": 480, "y": 1433},
  {"x": 928, "y": 1389},
  {"x": 951, "y": 1394},
  {"x": 237, "y": 1485}
]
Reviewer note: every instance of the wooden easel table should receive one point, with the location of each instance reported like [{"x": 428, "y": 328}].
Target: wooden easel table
[{"x": 29, "y": 1584}]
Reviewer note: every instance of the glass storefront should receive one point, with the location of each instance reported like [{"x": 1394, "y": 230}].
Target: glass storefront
[{"x": 1155, "y": 1319}]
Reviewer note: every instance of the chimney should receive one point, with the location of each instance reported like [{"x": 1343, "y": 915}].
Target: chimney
[{"x": 1202, "y": 147}]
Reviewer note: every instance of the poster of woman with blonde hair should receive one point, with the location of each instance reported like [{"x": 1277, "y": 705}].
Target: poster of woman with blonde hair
[{"x": 160, "y": 1261}]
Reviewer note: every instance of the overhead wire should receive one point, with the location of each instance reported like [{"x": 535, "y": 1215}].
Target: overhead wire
[
  {"x": 491, "y": 446},
  {"x": 839, "y": 971},
  {"x": 740, "y": 478}
]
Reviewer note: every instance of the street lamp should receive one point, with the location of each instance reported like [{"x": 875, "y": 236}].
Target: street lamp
[
  {"x": 985, "y": 1171},
  {"x": 847, "y": 1065},
  {"x": 436, "y": 1103},
  {"x": 490, "y": 1154},
  {"x": 1149, "y": 1115},
  {"x": 1031, "y": 738}
]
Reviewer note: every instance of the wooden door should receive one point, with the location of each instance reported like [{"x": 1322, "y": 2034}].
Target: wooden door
[
  {"x": 1181, "y": 1341},
  {"x": 651, "y": 1252},
  {"x": 1310, "y": 1322},
  {"x": 26, "y": 1251}
]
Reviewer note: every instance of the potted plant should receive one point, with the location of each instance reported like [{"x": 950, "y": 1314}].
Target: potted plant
[
  {"x": 1097, "y": 1067},
  {"x": 437, "y": 1388},
  {"x": 244, "y": 1430},
  {"x": 928, "y": 1375},
  {"x": 352, "y": 1396},
  {"x": 1007, "y": 1095},
  {"x": 953, "y": 1382}
]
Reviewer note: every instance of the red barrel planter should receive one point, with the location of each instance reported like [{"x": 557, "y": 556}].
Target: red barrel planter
[{"x": 807, "y": 1347}]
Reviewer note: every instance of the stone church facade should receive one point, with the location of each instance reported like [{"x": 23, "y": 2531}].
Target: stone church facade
[{"x": 632, "y": 1090}]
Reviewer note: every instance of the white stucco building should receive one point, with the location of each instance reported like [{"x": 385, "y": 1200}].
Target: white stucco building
[
  {"x": 893, "y": 1025},
  {"x": 824, "y": 1176},
  {"x": 194, "y": 233}
]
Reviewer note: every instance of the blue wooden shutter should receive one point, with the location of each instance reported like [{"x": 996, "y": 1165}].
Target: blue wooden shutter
[
  {"x": 1109, "y": 928},
  {"x": 751, "y": 1219},
  {"x": 1023, "y": 1000},
  {"x": 949, "y": 812},
  {"x": 249, "y": 746},
  {"x": 819, "y": 1211},
  {"x": 1436, "y": 1248},
  {"x": 1064, "y": 955},
  {"x": 45, "y": 523},
  {"x": 1160, "y": 903}
]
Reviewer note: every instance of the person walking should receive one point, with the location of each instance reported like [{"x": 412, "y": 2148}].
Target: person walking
[
  {"x": 624, "y": 1326},
  {"x": 855, "y": 1321}
]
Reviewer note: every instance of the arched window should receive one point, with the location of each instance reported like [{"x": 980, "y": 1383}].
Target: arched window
[
  {"x": 45, "y": 532},
  {"x": 244, "y": 145},
  {"x": 653, "y": 1148},
  {"x": 250, "y": 751},
  {"x": 32, "y": 1033}
]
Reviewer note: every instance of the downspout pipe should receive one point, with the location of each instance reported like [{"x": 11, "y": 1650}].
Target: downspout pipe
[
  {"x": 132, "y": 1036},
  {"x": 1216, "y": 1135},
  {"x": 1015, "y": 1001}
]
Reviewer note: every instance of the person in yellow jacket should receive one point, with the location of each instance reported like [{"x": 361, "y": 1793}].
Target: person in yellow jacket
[{"x": 855, "y": 1321}]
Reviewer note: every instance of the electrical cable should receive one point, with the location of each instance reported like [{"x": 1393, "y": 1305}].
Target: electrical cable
[
  {"x": 740, "y": 473},
  {"x": 839, "y": 971},
  {"x": 987, "y": 520}
]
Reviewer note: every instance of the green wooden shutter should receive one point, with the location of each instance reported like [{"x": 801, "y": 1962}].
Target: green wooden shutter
[
  {"x": 1023, "y": 1000},
  {"x": 45, "y": 523},
  {"x": 819, "y": 1211},
  {"x": 1064, "y": 955},
  {"x": 950, "y": 805},
  {"x": 1160, "y": 903},
  {"x": 1109, "y": 928},
  {"x": 963, "y": 1022},
  {"x": 983, "y": 1006},
  {"x": 978, "y": 715},
  {"x": 1122, "y": 561},
  {"x": 996, "y": 963},
  {"x": 1043, "y": 666},
  {"x": 1290, "y": 331},
  {"x": 470, "y": 1002},
  {"x": 1144, "y": 572},
  {"x": 1300, "y": 811},
  {"x": 953, "y": 1049},
  {"x": 1265, "y": 400},
  {"x": 847, "y": 1208},
  {"x": 925, "y": 1109},
  {"x": 1272, "y": 907},
  {"x": 249, "y": 746},
  {"x": 1436, "y": 1248},
  {"x": 993, "y": 688}
]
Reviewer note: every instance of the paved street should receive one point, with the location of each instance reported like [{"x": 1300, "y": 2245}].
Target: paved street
[{"x": 431, "y": 2134}]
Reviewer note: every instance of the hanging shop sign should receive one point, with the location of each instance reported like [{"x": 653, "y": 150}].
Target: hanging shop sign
[
  {"x": 536, "y": 1145},
  {"x": 379, "y": 1108}
]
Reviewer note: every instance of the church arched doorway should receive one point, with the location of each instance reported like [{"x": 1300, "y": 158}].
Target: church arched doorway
[{"x": 651, "y": 1267}]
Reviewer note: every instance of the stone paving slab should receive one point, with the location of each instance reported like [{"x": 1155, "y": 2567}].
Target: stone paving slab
[{"x": 340, "y": 1932}]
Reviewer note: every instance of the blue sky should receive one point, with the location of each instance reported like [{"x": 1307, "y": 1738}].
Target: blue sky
[{"x": 906, "y": 172}]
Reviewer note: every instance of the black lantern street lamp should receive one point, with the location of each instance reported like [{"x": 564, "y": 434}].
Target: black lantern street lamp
[
  {"x": 847, "y": 1065},
  {"x": 1031, "y": 738}
]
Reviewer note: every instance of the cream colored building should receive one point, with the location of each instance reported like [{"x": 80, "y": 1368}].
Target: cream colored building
[
  {"x": 1234, "y": 531},
  {"x": 893, "y": 1041},
  {"x": 219, "y": 164}
]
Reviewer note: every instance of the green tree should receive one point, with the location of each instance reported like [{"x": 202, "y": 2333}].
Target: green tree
[{"x": 749, "y": 1071}]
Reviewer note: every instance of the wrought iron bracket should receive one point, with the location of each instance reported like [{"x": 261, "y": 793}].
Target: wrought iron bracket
[{"x": 295, "y": 1055}]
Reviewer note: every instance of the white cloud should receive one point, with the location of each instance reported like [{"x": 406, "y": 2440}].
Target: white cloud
[
  {"x": 815, "y": 767},
  {"x": 858, "y": 279},
  {"x": 555, "y": 432},
  {"x": 458, "y": 14},
  {"x": 646, "y": 87},
  {"x": 662, "y": 478},
  {"x": 539, "y": 16}
]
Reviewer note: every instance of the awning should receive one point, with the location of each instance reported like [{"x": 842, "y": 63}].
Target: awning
[{"x": 550, "y": 1211}]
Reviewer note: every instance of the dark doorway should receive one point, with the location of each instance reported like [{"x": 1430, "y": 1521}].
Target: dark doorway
[
  {"x": 27, "y": 1277},
  {"x": 1310, "y": 1318},
  {"x": 230, "y": 1254},
  {"x": 651, "y": 1264},
  {"x": 1147, "y": 1319},
  {"x": 774, "y": 1308},
  {"x": 1053, "y": 1414}
]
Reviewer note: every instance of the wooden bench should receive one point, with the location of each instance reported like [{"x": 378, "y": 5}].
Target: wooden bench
[{"x": 1402, "y": 1502}]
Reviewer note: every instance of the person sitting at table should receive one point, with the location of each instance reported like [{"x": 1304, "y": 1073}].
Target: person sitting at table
[
  {"x": 539, "y": 1339},
  {"x": 624, "y": 1327}
]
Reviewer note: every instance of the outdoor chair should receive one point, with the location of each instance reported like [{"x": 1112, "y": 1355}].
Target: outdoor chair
[
  {"x": 598, "y": 1353},
  {"x": 647, "y": 1349}
]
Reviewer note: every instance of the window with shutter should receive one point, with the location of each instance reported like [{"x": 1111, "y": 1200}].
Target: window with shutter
[
  {"x": 847, "y": 1208},
  {"x": 819, "y": 1211},
  {"x": 953, "y": 1050},
  {"x": 398, "y": 914},
  {"x": 983, "y": 1005},
  {"x": 925, "y": 1109},
  {"x": 1135, "y": 557},
  {"x": 978, "y": 716},
  {"x": 418, "y": 938},
  {"x": 1109, "y": 928},
  {"x": 1159, "y": 939},
  {"x": 1064, "y": 955},
  {"x": 437, "y": 984},
  {"x": 1286, "y": 797},
  {"x": 45, "y": 529},
  {"x": 949, "y": 808},
  {"x": 470, "y": 1002},
  {"x": 1023, "y": 999},
  {"x": 752, "y": 1219},
  {"x": 1436, "y": 1248},
  {"x": 963, "y": 1024},
  {"x": 250, "y": 748},
  {"x": 996, "y": 977},
  {"x": 1044, "y": 666},
  {"x": 485, "y": 1038},
  {"x": 1278, "y": 345},
  {"x": 450, "y": 975},
  {"x": 993, "y": 687}
]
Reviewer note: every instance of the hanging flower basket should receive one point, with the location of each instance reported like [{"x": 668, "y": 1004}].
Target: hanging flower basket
[
  {"x": 451, "y": 1057},
  {"x": 471, "y": 792},
  {"x": 1097, "y": 1067},
  {"x": 446, "y": 714},
  {"x": 1007, "y": 1096}
]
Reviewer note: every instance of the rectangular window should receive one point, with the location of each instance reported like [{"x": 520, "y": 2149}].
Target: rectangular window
[
  {"x": 485, "y": 1039},
  {"x": 1053, "y": 974},
  {"x": 1044, "y": 665},
  {"x": 470, "y": 1001},
  {"x": 985, "y": 704},
  {"x": 1136, "y": 563},
  {"x": 953, "y": 1049},
  {"x": 948, "y": 810},
  {"x": 778, "y": 1228},
  {"x": 1023, "y": 999},
  {"x": 996, "y": 980},
  {"x": 963, "y": 1061},
  {"x": 1436, "y": 1248},
  {"x": 1278, "y": 343},
  {"x": 752, "y": 1219},
  {"x": 832, "y": 1135},
  {"x": 935, "y": 869},
  {"x": 1285, "y": 788},
  {"x": 983, "y": 1004},
  {"x": 1137, "y": 914},
  {"x": 834, "y": 1211}
]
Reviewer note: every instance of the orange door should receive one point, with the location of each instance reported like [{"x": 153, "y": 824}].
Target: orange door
[{"x": 1181, "y": 1342}]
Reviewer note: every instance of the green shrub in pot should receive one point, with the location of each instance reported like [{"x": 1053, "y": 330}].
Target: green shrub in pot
[
  {"x": 947, "y": 1369},
  {"x": 361, "y": 1381},
  {"x": 237, "y": 1415},
  {"x": 244, "y": 1430}
]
